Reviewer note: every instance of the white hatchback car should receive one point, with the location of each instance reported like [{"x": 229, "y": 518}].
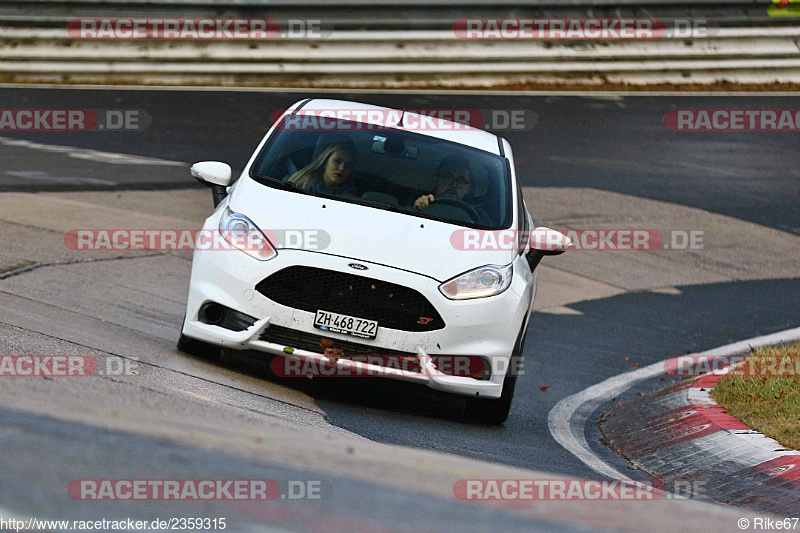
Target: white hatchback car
[{"x": 356, "y": 239}]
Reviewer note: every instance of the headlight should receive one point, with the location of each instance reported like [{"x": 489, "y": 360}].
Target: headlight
[
  {"x": 478, "y": 283},
  {"x": 242, "y": 233}
]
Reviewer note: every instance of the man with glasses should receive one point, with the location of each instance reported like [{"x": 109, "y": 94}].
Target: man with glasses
[{"x": 453, "y": 180}]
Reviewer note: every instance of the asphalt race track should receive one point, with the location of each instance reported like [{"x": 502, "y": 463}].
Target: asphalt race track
[
  {"x": 617, "y": 144},
  {"x": 561, "y": 360}
]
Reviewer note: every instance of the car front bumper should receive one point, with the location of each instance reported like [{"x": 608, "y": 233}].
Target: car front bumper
[{"x": 486, "y": 327}]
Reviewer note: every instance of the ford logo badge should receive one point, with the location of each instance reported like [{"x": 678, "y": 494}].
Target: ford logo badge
[{"x": 358, "y": 266}]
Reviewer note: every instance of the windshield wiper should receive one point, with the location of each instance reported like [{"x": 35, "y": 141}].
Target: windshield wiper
[
  {"x": 382, "y": 205},
  {"x": 287, "y": 185}
]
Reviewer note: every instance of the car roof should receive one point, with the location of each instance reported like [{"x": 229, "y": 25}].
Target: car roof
[{"x": 432, "y": 127}]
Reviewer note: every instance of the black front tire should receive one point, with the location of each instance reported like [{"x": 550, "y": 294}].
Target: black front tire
[
  {"x": 495, "y": 412},
  {"x": 197, "y": 348}
]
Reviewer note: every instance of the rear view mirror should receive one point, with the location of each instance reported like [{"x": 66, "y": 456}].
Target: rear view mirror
[
  {"x": 214, "y": 174},
  {"x": 394, "y": 147},
  {"x": 546, "y": 241}
]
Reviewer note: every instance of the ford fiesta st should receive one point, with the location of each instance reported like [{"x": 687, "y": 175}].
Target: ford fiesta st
[{"x": 373, "y": 240}]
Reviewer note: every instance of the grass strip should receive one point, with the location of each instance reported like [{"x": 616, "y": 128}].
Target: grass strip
[{"x": 764, "y": 393}]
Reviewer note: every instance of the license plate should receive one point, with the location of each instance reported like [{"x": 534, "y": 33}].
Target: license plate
[{"x": 350, "y": 325}]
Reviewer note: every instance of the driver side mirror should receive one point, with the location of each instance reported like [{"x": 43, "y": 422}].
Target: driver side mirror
[
  {"x": 546, "y": 241},
  {"x": 215, "y": 175}
]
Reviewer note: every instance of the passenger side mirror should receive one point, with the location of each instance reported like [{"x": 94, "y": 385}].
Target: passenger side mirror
[
  {"x": 213, "y": 174},
  {"x": 546, "y": 241}
]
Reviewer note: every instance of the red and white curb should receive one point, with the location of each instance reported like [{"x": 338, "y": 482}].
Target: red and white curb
[
  {"x": 763, "y": 453},
  {"x": 681, "y": 440}
]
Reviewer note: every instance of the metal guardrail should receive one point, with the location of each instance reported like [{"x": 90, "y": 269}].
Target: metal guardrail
[
  {"x": 405, "y": 43},
  {"x": 399, "y": 59},
  {"x": 393, "y": 15}
]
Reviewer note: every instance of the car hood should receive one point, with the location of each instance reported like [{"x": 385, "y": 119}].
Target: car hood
[{"x": 294, "y": 220}]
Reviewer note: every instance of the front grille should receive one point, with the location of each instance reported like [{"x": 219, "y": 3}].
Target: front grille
[
  {"x": 474, "y": 366},
  {"x": 312, "y": 289}
]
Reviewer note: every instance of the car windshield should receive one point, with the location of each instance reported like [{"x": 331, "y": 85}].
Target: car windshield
[{"x": 391, "y": 169}]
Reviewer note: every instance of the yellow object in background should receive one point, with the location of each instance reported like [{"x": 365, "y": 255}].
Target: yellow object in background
[{"x": 784, "y": 8}]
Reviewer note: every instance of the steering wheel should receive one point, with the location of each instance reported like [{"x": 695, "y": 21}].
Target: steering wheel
[{"x": 461, "y": 204}]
